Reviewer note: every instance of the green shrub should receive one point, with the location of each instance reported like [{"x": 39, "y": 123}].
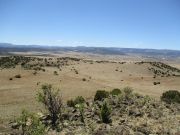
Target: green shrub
[
  {"x": 171, "y": 96},
  {"x": 79, "y": 100},
  {"x": 70, "y": 103},
  {"x": 100, "y": 95},
  {"x": 29, "y": 124},
  {"x": 115, "y": 92},
  {"x": 76, "y": 71},
  {"x": 17, "y": 76},
  {"x": 127, "y": 90},
  {"x": 155, "y": 83},
  {"x": 55, "y": 73},
  {"x": 80, "y": 107},
  {"x": 128, "y": 95},
  {"x": 52, "y": 102},
  {"x": 105, "y": 113}
]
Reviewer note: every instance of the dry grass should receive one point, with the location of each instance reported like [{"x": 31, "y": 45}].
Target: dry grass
[{"x": 20, "y": 92}]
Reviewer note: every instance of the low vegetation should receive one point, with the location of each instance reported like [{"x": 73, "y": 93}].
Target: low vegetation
[
  {"x": 171, "y": 96},
  {"x": 29, "y": 124},
  {"x": 156, "y": 83},
  {"x": 115, "y": 92},
  {"x": 120, "y": 112},
  {"x": 17, "y": 76},
  {"x": 105, "y": 113},
  {"x": 52, "y": 102},
  {"x": 77, "y": 100},
  {"x": 117, "y": 111},
  {"x": 55, "y": 73},
  {"x": 100, "y": 95}
]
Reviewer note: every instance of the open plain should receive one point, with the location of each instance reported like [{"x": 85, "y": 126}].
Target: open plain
[{"x": 78, "y": 74}]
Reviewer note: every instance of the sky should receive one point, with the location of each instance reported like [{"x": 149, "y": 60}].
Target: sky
[{"x": 103, "y": 23}]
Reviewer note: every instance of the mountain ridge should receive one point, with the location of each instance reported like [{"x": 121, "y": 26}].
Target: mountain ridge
[{"x": 8, "y": 48}]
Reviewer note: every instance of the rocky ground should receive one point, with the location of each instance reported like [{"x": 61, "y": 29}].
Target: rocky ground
[{"x": 130, "y": 114}]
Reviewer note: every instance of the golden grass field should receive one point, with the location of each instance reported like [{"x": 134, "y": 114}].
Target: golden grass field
[{"x": 20, "y": 93}]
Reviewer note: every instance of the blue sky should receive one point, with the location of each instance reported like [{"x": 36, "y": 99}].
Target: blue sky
[{"x": 109, "y": 23}]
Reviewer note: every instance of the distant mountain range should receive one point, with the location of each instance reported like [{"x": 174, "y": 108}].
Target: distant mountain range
[{"x": 7, "y": 48}]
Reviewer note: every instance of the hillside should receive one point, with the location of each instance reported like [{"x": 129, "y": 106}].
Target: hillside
[{"x": 76, "y": 76}]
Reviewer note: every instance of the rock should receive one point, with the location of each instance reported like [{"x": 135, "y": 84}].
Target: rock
[
  {"x": 74, "y": 110},
  {"x": 104, "y": 129},
  {"x": 41, "y": 115},
  {"x": 135, "y": 112},
  {"x": 121, "y": 130},
  {"x": 138, "y": 133},
  {"x": 144, "y": 130},
  {"x": 75, "y": 116},
  {"x": 122, "y": 121},
  {"x": 15, "y": 125},
  {"x": 87, "y": 113}
]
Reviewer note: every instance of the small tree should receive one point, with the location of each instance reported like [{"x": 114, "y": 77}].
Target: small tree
[
  {"x": 105, "y": 113},
  {"x": 171, "y": 96},
  {"x": 115, "y": 92},
  {"x": 100, "y": 95},
  {"x": 52, "y": 102}
]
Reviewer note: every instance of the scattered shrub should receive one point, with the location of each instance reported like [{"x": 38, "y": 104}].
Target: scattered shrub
[
  {"x": 115, "y": 92},
  {"x": 11, "y": 78},
  {"x": 105, "y": 113},
  {"x": 52, "y": 102},
  {"x": 128, "y": 93},
  {"x": 171, "y": 96},
  {"x": 29, "y": 124},
  {"x": 76, "y": 71},
  {"x": 34, "y": 73},
  {"x": 84, "y": 79},
  {"x": 70, "y": 103},
  {"x": 55, "y": 73},
  {"x": 80, "y": 107},
  {"x": 127, "y": 90},
  {"x": 100, "y": 95},
  {"x": 17, "y": 76},
  {"x": 79, "y": 100},
  {"x": 155, "y": 83}
]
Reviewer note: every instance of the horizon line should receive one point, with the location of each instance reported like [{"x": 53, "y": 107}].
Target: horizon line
[{"x": 43, "y": 45}]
